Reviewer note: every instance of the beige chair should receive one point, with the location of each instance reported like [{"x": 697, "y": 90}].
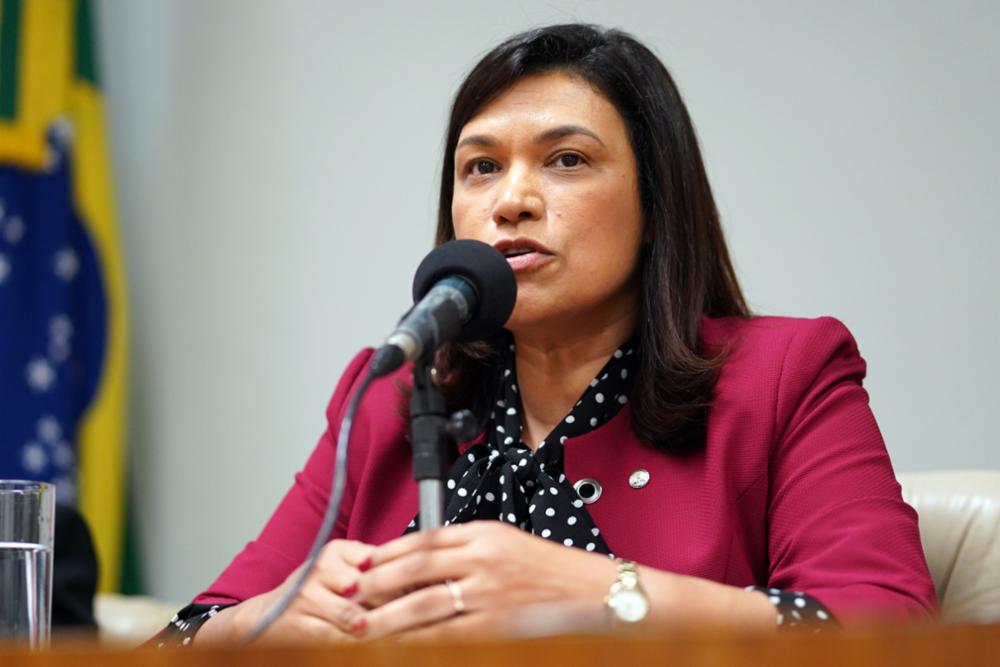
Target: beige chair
[
  {"x": 960, "y": 532},
  {"x": 129, "y": 620}
]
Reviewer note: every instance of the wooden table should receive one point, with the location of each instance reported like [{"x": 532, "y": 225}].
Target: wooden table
[{"x": 911, "y": 646}]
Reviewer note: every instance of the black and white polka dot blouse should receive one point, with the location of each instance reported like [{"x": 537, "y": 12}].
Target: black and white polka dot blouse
[
  {"x": 796, "y": 609},
  {"x": 502, "y": 479},
  {"x": 185, "y": 623}
]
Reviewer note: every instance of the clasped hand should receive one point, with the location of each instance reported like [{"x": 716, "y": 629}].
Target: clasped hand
[{"x": 399, "y": 588}]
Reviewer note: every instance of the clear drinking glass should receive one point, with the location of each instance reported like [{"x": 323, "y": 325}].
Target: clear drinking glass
[{"x": 27, "y": 524}]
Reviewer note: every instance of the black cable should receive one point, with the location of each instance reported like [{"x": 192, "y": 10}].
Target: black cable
[{"x": 332, "y": 511}]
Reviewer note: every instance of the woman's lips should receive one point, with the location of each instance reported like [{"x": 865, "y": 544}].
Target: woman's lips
[
  {"x": 528, "y": 261},
  {"x": 524, "y": 253}
]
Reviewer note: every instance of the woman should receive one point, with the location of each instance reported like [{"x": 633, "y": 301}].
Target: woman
[{"x": 633, "y": 407}]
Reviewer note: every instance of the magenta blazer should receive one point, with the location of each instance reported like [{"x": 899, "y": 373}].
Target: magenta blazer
[{"x": 794, "y": 488}]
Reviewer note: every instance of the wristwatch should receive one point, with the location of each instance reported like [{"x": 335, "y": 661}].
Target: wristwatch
[{"x": 626, "y": 599}]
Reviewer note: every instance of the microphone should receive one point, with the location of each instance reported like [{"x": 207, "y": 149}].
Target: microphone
[{"x": 463, "y": 290}]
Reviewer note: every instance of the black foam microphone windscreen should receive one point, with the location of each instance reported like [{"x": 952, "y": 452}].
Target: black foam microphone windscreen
[{"x": 486, "y": 269}]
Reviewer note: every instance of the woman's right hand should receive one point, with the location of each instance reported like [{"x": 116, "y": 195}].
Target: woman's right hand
[{"x": 322, "y": 611}]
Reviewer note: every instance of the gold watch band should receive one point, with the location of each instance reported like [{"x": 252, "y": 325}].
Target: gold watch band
[
  {"x": 626, "y": 600},
  {"x": 628, "y": 572}
]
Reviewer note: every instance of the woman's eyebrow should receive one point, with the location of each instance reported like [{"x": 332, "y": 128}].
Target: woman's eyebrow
[
  {"x": 566, "y": 131},
  {"x": 477, "y": 140}
]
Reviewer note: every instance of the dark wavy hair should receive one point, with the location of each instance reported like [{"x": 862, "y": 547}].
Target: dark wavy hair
[{"x": 685, "y": 270}]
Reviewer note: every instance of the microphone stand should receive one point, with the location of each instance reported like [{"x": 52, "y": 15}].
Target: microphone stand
[
  {"x": 431, "y": 436},
  {"x": 427, "y": 437}
]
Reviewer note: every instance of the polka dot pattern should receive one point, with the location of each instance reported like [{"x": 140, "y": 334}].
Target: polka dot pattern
[
  {"x": 185, "y": 623},
  {"x": 797, "y": 610},
  {"x": 502, "y": 479}
]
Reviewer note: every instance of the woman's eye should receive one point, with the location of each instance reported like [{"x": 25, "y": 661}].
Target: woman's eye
[
  {"x": 479, "y": 167},
  {"x": 569, "y": 160}
]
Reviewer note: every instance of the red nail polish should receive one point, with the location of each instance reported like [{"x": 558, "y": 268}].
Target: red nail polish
[
  {"x": 350, "y": 591},
  {"x": 365, "y": 564},
  {"x": 359, "y": 624}
]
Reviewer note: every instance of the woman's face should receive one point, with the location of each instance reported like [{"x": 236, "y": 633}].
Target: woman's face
[{"x": 545, "y": 173}]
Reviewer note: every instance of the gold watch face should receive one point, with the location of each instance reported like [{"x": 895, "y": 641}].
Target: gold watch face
[{"x": 629, "y": 605}]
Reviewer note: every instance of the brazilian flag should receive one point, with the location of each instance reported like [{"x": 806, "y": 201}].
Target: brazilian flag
[{"x": 63, "y": 337}]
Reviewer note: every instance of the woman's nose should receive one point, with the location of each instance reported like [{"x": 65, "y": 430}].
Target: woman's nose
[{"x": 518, "y": 200}]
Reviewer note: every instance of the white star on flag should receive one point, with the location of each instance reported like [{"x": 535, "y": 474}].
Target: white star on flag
[
  {"x": 40, "y": 374},
  {"x": 33, "y": 457},
  {"x": 66, "y": 264},
  {"x": 49, "y": 429},
  {"x": 13, "y": 230}
]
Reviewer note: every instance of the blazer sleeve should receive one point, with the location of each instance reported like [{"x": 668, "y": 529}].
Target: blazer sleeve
[
  {"x": 839, "y": 529},
  {"x": 282, "y": 546}
]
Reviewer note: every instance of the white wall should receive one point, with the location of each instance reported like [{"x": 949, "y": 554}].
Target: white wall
[{"x": 277, "y": 165}]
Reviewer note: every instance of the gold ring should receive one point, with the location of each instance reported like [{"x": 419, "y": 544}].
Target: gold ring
[{"x": 457, "y": 603}]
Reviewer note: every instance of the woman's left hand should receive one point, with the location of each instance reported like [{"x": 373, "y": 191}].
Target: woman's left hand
[{"x": 496, "y": 567}]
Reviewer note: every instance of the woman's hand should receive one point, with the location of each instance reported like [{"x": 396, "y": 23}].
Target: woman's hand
[
  {"x": 497, "y": 569},
  {"x": 323, "y": 610}
]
